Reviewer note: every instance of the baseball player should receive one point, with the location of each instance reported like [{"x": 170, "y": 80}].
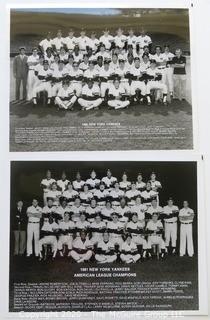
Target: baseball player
[
  {"x": 93, "y": 182},
  {"x": 145, "y": 63},
  {"x": 82, "y": 224},
  {"x": 123, "y": 211},
  {"x": 32, "y": 62},
  {"x": 77, "y": 54},
  {"x": 170, "y": 219},
  {"x": 131, "y": 38},
  {"x": 76, "y": 209},
  {"x": 154, "y": 76},
  {"x": 139, "y": 208},
  {"x": 120, "y": 39},
  {"x": 46, "y": 185},
  {"x": 75, "y": 78},
  {"x": 179, "y": 75},
  {"x": 49, "y": 209},
  {"x": 138, "y": 88},
  {"x": 99, "y": 63},
  {"x": 106, "y": 39},
  {"x": 78, "y": 183},
  {"x": 114, "y": 63},
  {"x": 154, "y": 230},
  {"x": 58, "y": 42},
  {"x": 58, "y": 75},
  {"x": 97, "y": 228},
  {"x": 84, "y": 65},
  {"x": 82, "y": 248},
  {"x": 148, "y": 194},
  {"x": 92, "y": 210},
  {"x": 129, "y": 64},
  {"x": 46, "y": 43},
  {"x": 85, "y": 196},
  {"x": 132, "y": 194},
  {"x": 117, "y": 96},
  {"x": 136, "y": 229},
  {"x": 105, "y": 251},
  {"x": 109, "y": 180},
  {"x": 63, "y": 182},
  {"x": 116, "y": 194},
  {"x": 69, "y": 65},
  {"x": 91, "y": 72},
  {"x": 62, "y": 208},
  {"x": 48, "y": 55},
  {"x": 105, "y": 76},
  {"x": 66, "y": 232},
  {"x": 155, "y": 184},
  {"x": 45, "y": 76},
  {"x": 54, "y": 64},
  {"x": 48, "y": 236},
  {"x": 101, "y": 194},
  {"x": 54, "y": 193},
  {"x": 186, "y": 216},
  {"x": 115, "y": 229},
  {"x": 90, "y": 96},
  {"x": 143, "y": 40},
  {"x": 70, "y": 194},
  {"x": 154, "y": 208},
  {"x": 168, "y": 57},
  {"x": 63, "y": 55},
  {"x": 107, "y": 211},
  {"x": 34, "y": 214},
  {"x": 140, "y": 184},
  {"x": 121, "y": 72},
  {"x": 103, "y": 53},
  {"x": 65, "y": 98},
  {"x": 70, "y": 41},
  {"x": 93, "y": 42},
  {"x": 129, "y": 251},
  {"x": 83, "y": 41},
  {"x": 125, "y": 184}
]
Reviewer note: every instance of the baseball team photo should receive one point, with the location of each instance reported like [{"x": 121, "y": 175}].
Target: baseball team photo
[
  {"x": 100, "y": 232},
  {"x": 100, "y": 79}
]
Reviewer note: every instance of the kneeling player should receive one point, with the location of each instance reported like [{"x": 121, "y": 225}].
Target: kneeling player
[
  {"x": 129, "y": 252},
  {"x": 90, "y": 96},
  {"x": 117, "y": 96},
  {"x": 65, "y": 98},
  {"x": 105, "y": 251},
  {"x": 154, "y": 229},
  {"x": 154, "y": 78},
  {"x": 48, "y": 235},
  {"x": 82, "y": 248}
]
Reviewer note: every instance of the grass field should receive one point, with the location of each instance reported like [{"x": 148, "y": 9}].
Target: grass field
[{"x": 171, "y": 269}]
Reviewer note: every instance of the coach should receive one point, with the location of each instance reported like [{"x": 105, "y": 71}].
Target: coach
[
  {"x": 19, "y": 228},
  {"x": 20, "y": 71}
]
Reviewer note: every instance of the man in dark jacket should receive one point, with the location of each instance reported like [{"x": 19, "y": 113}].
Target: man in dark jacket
[
  {"x": 19, "y": 228},
  {"x": 20, "y": 72}
]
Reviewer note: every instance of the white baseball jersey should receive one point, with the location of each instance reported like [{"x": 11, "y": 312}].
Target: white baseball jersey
[
  {"x": 136, "y": 71},
  {"x": 70, "y": 195},
  {"x": 82, "y": 225},
  {"x": 132, "y": 194},
  {"x": 114, "y": 228},
  {"x": 106, "y": 40},
  {"x": 101, "y": 195},
  {"x": 77, "y": 185},
  {"x": 106, "y": 73},
  {"x": 84, "y": 66},
  {"x": 155, "y": 184},
  {"x": 92, "y": 182},
  {"x": 76, "y": 74},
  {"x": 77, "y": 57},
  {"x": 50, "y": 227},
  {"x": 45, "y": 43},
  {"x": 54, "y": 194},
  {"x": 168, "y": 210},
  {"x": 187, "y": 214},
  {"x": 64, "y": 93},
  {"x": 143, "y": 41},
  {"x": 167, "y": 56},
  {"x": 69, "y": 225},
  {"x": 83, "y": 42},
  {"x": 159, "y": 58},
  {"x": 124, "y": 185},
  {"x": 106, "y": 213},
  {"x": 86, "y": 196},
  {"x": 131, "y": 227},
  {"x": 157, "y": 209},
  {"x": 106, "y": 246},
  {"x": 62, "y": 184},
  {"x": 154, "y": 226},
  {"x": 93, "y": 43},
  {"x": 70, "y": 42},
  {"x": 109, "y": 181},
  {"x": 116, "y": 194},
  {"x": 120, "y": 40},
  {"x": 113, "y": 66},
  {"x": 128, "y": 248},
  {"x": 46, "y": 183},
  {"x": 44, "y": 73},
  {"x": 58, "y": 42},
  {"x": 104, "y": 55},
  {"x": 34, "y": 60},
  {"x": 140, "y": 210},
  {"x": 91, "y": 211},
  {"x": 121, "y": 211},
  {"x": 77, "y": 209},
  {"x": 145, "y": 66},
  {"x": 61, "y": 210},
  {"x": 132, "y": 40},
  {"x": 116, "y": 92},
  {"x": 59, "y": 74},
  {"x": 91, "y": 92},
  {"x": 34, "y": 210},
  {"x": 50, "y": 60},
  {"x": 48, "y": 210},
  {"x": 148, "y": 195},
  {"x": 97, "y": 227},
  {"x": 91, "y": 73},
  {"x": 78, "y": 244},
  {"x": 140, "y": 185}
]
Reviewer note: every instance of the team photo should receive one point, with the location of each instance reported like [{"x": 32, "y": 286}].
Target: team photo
[
  {"x": 125, "y": 70},
  {"x": 71, "y": 215}
]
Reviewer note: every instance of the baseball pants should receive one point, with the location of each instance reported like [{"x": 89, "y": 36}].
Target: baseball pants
[
  {"x": 156, "y": 85},
  {"x": 65, "y": 104},
  {"x": 156, "y": 240},
  {"x": 104, "y": 86},
  {"x": 180, "y": 86},
  {"x": 43, "y": 86},
  {"x": 186, "y": 239},
  {"x": 168, "y": 80},
  {"x": 84, "y": 256},
  {"x": 118, "y": 104},
  {"x": 55, "y": 88},
  {"x": 89, "y": 104},
  {"x": 137, "y": 85},
  {"x": 105, "y": 258},
  {"x": 30, "y": 84},
  {"x": 51, "y": 240},
  {"x": 127, "y": 257},
  {"x": 140, "y": 241},
  {"x": 33, "y": 234},
  {"x": 65, "y": 239},
  {"x": 77, "y": 88},
  {"x": 170, "y": 233}
]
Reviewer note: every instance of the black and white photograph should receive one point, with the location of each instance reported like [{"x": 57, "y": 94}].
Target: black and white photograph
[
  {"x": 100, "y": 79},
  {"x": 103, "y": 236}
]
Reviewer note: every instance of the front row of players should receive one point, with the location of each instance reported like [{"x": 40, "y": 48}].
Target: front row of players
[
  {"x": 115, "y": 91},
  {"x": 110, "y": 241}
]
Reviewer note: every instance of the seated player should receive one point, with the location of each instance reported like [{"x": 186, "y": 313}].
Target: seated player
[
  {"x": 66, "y": 231},
  {"x": 62, "y": 208},
  {"x": 49, "y": 208},
  {"x": 97, "y": 228},
  {"x": 136, "y": 229},
  {"x": 105, "y": 251},
  {"x": 123, "y": 211},
  {"x": 132, "y": 194},
  {"x": 82, "y": 224},
  {"x": 70, "y": 194},
  {"x": 116, "y": 194},
  {"x": 109, "y": 180},
  {"x": 90, "y": 98},
  {"x": 138, "y": 87},
  {"x": 128, "y": 250},
  {"x": 139, "y": 208},
  {"x": 115, "y": 229},
  {"x": 92, "y": 210},
  {"x": 54, "y": 193},
  {"x": 65, "y": 98},
  {"x": 154, "y": 229},
  {"x": 75, "y": 77},
  {"x": 106, "y": 212},
  {"x": 117, "y": 96},
  {"x": 154, "y": 208},
  {"x": 91, "y": 72},
  {"x": 154, "y": 76},
  {"x": 58, "y": 75},
  {"x": 76, "y": 209},
  {"x": 82, "y": 248},
  {"x": 84, "y": 65},
  {"x": 48, "y": 235},
  {"x": 93, "y": 182},
  {"x": 121, "y": 72},
  {"x": 106, "y": 78},
  {"x": 43, "y": 84},
  {"x": 148, "y": 194},
  {"x": 101, "y": 194}
]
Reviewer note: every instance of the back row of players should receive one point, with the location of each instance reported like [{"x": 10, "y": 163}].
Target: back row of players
[
  {"x": 84, "y": 68},
  {"x": 106, "y": 222}
]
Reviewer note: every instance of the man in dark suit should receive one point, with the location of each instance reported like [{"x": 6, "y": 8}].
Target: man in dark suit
[
  {"x": 20, "y": 71},
  {"x": 19, "y": 228}
]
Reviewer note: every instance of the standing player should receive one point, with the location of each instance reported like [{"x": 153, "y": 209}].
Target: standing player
[
  {"x": 46, "y": 43},
  {"x": 54, "y": 193},
  {"x": 143, "y": 40},
  {"x": 83, "y": 41},
  {"x": 33, "y": 61},
  {"x": 123, "y": 211},
  {"x": 93, "y": 182},
  {"x": 132, "y": 194},
  {"x": 131, "y": 38},
  {"x": 168, "y": 57},
  {"x": 116, "y": 194},
  {"x": 125, "y": 184},
  {"x": 121, "y": 72},
  {"x": 105, "y": 251},
  {"x": 63, "y": 182},
  {"x": 85, "y": 196},
  {"x": 34, "y": 214},
  {"x": 186, "y": 216},
  {"x": 93, "y": 42},
  {"x": 90, "y": 96},
  {"x": 154, "y": 208},
  {"x": 139, "y": 208},
  {"x": 154, "y": 230},
  {"x": 70, "y": 41},
  {"x": 101, "y": 194},
  {"x": 117, "y": 96},
  {"x": 155, "y": 184},
  {"x": 148, "y": 194},
  {"x": 78, "y": 183},
  {"x": 140, "y": 184},
  {"x": 46, "y": 185},
  {"x": 120, "y": 39},
  {"x": 82, "y": 248},
  {"x": 62, "y": 208},
  {"x": 109, "y": 180},
  {"x": 106, "y": 39},
  {"x": 58, "y": 42},
  {"x": 129, "y": 251},
  {"x": 20, "y": 72},
  {"x": 70, "y": 194},
  {"x": 170, "y": 218}
]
